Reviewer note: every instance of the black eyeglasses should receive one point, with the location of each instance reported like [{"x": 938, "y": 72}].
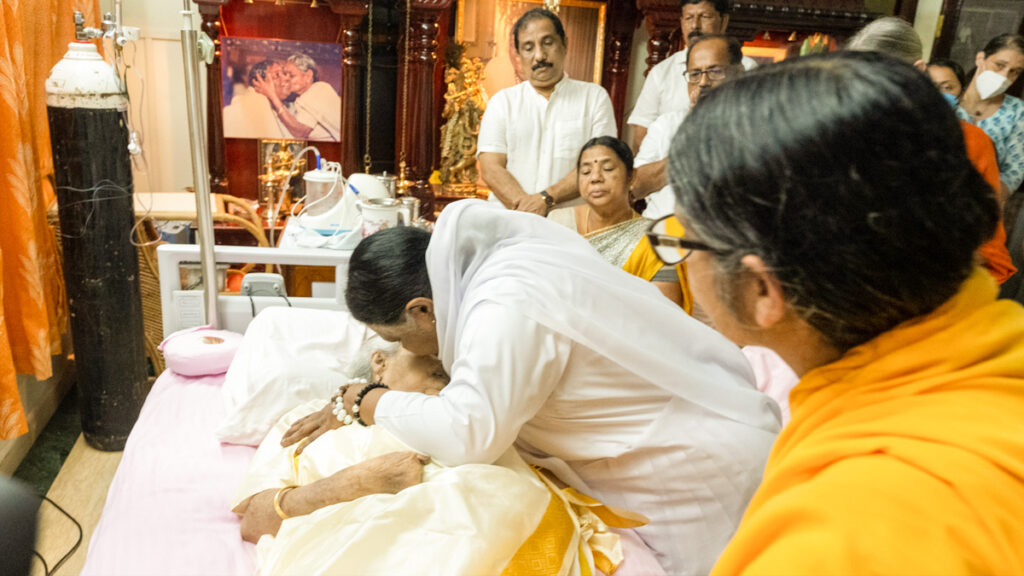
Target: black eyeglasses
[
  {"x": 714, "y": 74},
  {"x": 669, "y": 248}
]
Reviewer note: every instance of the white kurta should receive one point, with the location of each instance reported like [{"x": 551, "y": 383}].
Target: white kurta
[
  {"x": 665, "y": 90},
  {"x": 541, "y": 137},
  {"x": 655, "y": 147},
  {"x": 591, "y": 374},
  {"x": 320, "y": 108}
]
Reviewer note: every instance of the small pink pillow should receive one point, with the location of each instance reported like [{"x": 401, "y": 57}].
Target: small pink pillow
[{"x": 200, "y": 351}]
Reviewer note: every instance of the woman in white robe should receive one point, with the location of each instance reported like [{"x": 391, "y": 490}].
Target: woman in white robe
[{"x": 587, "y": 370}]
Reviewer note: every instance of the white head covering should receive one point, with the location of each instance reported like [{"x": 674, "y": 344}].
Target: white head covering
[{"x": 483, "y": 253}]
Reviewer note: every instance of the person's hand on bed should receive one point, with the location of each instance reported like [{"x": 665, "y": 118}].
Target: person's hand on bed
[
  {"x": 311, "y": 427},
  {"x": 386, "y": 474}
]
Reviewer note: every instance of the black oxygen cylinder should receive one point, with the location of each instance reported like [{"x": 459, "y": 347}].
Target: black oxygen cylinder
[{"x": 89, "y": 135}]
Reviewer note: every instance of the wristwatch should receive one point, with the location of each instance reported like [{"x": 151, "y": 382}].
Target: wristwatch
[{"x": 549, "y": 201}]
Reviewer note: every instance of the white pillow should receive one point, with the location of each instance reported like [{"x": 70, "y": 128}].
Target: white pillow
[{"x": 288, "y": 356}]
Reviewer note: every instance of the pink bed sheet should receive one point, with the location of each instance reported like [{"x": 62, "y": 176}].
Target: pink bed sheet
[{"x": 167, "y": 510}]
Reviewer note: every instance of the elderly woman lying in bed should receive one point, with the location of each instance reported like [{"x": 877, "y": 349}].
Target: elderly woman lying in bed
[
  {"x": 356, "y": 496},
  {"x": 263, "y": 512}
]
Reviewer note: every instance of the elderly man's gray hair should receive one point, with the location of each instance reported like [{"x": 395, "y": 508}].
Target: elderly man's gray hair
[{"x": 304, "y": 62}]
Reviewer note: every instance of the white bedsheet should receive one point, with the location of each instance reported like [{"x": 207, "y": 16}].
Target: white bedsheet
[{"x": 168, "y": 510}]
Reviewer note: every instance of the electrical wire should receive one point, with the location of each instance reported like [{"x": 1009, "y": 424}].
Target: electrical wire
[
  {"x": 119, "y": 193},
  {"x": 284, "y": 185},
  {"x": 46, "y": 569},
  {"x": 101, "y": 186},
  {"x": 252, "y": 303}
]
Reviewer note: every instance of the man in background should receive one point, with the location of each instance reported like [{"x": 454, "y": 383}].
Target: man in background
[
  {"x": 531, "y": 133},
  {"x": 664, "y": 89},
  {"x": 711, "y": 60}
]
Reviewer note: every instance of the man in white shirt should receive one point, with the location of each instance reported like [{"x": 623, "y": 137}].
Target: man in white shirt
[
  {"x": 531, "y": 133},
  {"x": 664, "y": 89},
  {"x": 586, "y": 370},
  {"x": 710, "y": 61}
]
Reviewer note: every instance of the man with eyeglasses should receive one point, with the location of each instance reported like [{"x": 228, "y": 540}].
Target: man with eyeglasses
[
  {"x": 664, "y": 89},
  {"x": 711, "y": 60}
]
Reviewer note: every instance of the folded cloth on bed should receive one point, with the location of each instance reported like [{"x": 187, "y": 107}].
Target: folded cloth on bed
[
  {"x": 288, "y": 356},
  {"x": 470, "y": 519}
]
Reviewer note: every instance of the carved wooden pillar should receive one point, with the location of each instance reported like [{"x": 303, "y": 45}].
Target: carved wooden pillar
[
  {"x": 420, "y": 130},
  {"x": 622, "y": 15},
  {"x": 209, "y": 10},
  {"x": 352, "y": 63},
  {"x": 661, "y": 17}
]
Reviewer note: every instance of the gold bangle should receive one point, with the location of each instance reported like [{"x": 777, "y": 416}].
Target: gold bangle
[{"x": 277, "y": 501}]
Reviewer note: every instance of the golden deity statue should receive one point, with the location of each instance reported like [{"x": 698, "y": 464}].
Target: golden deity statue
[{"x": 464, "y": 104}]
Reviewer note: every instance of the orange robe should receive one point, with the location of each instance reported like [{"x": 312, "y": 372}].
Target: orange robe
[
  {"x": 905, "y": 456},
  {"x": 982, "y": 153}
]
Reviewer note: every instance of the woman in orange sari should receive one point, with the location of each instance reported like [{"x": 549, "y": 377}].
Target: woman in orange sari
[{"x": 836, "y": 221}]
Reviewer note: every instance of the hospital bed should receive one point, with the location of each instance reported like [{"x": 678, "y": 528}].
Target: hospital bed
[{"x": 168, "y": 506}]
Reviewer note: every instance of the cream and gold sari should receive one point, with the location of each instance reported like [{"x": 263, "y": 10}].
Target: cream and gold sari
[{"x": 501, "y": 518}]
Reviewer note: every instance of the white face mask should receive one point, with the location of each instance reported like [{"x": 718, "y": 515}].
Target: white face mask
[{"x": 991, "y": 84}]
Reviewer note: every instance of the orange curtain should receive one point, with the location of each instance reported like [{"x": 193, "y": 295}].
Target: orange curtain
[{"x": 33, "y": 36}]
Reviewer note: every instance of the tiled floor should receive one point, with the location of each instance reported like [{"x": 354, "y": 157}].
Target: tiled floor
[
  {"x": 81, "y": 489},
  {"x": 47, "y": 455},
  {"x": 73, "y": 475}
]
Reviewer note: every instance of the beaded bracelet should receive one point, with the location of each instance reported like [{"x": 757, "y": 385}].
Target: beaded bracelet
[
  {"x": 339, "y": 401},
  {"x": 361, "y": 395}
]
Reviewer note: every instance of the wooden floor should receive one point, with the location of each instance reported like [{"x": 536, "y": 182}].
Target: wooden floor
[{"x": 81, "y": 489}]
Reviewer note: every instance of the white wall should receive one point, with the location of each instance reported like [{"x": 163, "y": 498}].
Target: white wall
[
  {"x": 926, "y": 22},
  {"x": 156, "y": 89}
]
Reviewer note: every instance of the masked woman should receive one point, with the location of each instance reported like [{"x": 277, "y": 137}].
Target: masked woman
[
  {"x": 1000, "y": 115},
  {"x": 838, "y": 219},
  {"x": 604, "y": 174}
]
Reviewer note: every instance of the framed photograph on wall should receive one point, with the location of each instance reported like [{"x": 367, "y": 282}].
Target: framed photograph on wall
[{"x": 281, "y": 89}]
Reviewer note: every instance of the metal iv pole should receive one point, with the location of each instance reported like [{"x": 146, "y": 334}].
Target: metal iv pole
[{"x": 200, "y": 168}]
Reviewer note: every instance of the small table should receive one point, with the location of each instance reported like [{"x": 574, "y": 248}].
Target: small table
[{"x": 299, "y": 280}]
